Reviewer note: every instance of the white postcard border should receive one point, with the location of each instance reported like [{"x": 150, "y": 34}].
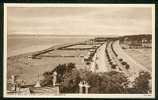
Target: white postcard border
[{"x": 6, "y": 5}]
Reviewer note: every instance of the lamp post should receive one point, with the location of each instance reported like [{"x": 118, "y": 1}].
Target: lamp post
[{"x": 54, "y": 78}]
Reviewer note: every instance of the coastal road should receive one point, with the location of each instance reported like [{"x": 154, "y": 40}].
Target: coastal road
[
  {"x": 100, "y": 60},
  {"x": 135, "y": 67}
]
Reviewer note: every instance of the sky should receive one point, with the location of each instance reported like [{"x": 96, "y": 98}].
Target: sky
[{"x": 79, "y": 20}]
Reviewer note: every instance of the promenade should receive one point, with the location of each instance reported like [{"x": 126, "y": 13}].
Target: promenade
[{"x": 101, "y": 59}]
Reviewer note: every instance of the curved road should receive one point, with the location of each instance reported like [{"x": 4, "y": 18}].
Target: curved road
[
  {"x": 101, "y": 62},
  {"x": 135, "y": 67}
]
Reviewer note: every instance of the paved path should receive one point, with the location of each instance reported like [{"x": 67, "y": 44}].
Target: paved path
[{"x": 100, "y": 59}]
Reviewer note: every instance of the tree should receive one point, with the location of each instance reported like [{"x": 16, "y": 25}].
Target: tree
[
  {"x": 120, "y": 59},
  {"x": 127, "y": 66},
  {"x": 61, "y": 70},
  {"x": 47, "y": 81},
  {"x": 113, "y": 66},
  {"x": 141, "y": 83},
  {"x": 124, "y": 63},
  {"x": 107, "y": 82},
  {"x": 70, "y": 82}
]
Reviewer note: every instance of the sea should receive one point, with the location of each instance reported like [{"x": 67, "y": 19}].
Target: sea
[{"x": 20, "y": 44}]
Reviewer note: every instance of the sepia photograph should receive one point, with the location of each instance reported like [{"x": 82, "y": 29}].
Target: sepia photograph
[{"x": 79, "y": 51}]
